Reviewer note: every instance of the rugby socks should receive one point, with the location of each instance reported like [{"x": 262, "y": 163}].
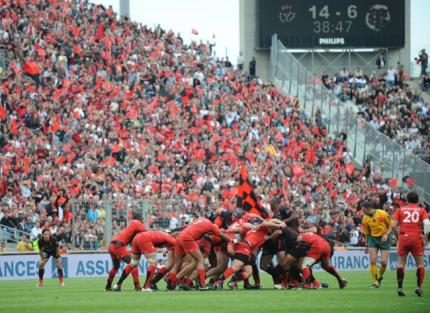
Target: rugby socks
[
  {"x": 420, "y": 276},
  {"x": 60, "y": 274},
  {"x": 149, "y": 275},
  {"x": 331, "y": 270},
  {"x": 227, "y": 273},
  {"x": 306, "y": 274},
  {"x": 286, "y": 279},
  {"x": 124, "y": 274},
  {"x": 202, "y": 277},
  {"x": 188, "y": 281},
  {"x": 374, "y": 273},
  {"x": 256, "y": 275},
  {"x": 382, "y": 270},
  {"x": 159, "y": 275},
  {"x": 278, "y": 274},
  {"x": 135, "y": 275},
  {"x": 173, "y": 279},
  {"x": 41, "y": 272},
  {"x": 272, "y": 271},
  {"x": 112, "y": 274},
  {"x": 400, "y": 276}
]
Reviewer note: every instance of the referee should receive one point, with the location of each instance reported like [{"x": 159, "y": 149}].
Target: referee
[{"x": 376, "y": 226}]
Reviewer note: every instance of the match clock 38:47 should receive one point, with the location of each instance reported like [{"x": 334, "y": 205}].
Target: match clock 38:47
[{"x": 332, "y": 23}]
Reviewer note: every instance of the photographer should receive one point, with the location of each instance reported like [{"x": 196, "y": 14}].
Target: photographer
[{"x": 423, "y": 59}]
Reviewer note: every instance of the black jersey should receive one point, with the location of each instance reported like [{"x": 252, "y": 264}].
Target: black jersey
[
  {"x": 48, "y": 247},
  {"x": 289, "y": 237}
]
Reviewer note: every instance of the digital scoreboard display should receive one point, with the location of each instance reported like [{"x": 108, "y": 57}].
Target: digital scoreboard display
[{"x": 332, "y": 23}]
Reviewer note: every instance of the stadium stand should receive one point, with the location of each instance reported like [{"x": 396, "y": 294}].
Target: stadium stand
[
  {"x": 387, "y": 101},
  {"x": 95, "y": 107}
]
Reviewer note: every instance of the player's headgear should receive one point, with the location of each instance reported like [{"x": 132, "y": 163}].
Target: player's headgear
[
  {"x": 137, "y": 216},
  {"x": 283, "y": 213},
  {"x": 238, "y": 213},
  {"x": 211, "y": 215},
  {"x": 225, "y": 214},
  {"x": 255, "y": 221}
]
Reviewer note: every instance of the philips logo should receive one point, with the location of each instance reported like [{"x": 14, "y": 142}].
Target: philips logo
[{"x": 332, "y": 41}]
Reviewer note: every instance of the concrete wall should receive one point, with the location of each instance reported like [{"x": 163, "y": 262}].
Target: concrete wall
[
  {"x": 124, "y": 7},
  {"x": 248, "y": 38}
]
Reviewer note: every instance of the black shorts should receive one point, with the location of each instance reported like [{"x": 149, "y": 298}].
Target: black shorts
[
  {"x": 47, "y": 255},
  {"x": 246, "y": 260},
  {"x": 270, "y": 247},
  {"x": 299, "y": 250}
]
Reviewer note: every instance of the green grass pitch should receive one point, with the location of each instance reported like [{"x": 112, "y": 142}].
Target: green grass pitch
[{"x": 87, "y": 295}]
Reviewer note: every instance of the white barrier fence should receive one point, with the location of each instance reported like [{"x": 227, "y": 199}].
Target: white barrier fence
[{"x": 24, "y": 266}]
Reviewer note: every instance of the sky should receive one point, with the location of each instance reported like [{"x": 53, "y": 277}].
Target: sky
[
  {"x": 208, "y": 17},
  {"x": 221, "y": 17}
]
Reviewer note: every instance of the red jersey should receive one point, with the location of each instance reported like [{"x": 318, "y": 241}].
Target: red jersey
[
  {"x": 158, "y": 238},
  {"x": 311, "y": 238},
  {"x": 198, "y": 228},
  {"x": 238, "y": 224},
  {"x": 127, "y": 234},
  {"x": 410, "y": 218},
  {"x": 255, "y": 238}
]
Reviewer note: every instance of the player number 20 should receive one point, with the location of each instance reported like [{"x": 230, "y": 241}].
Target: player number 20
[{"x": 413, "y": 217}]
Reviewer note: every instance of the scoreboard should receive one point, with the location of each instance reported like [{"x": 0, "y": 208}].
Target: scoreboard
[{"x": 332, "y": 23}]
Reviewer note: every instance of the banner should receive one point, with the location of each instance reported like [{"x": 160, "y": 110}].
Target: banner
[{"x": 24, "y": 266}]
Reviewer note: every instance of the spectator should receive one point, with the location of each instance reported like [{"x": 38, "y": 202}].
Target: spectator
[
  {"x": 8, "y": 220},
  {"x": 240, "y": 61},
  {"x": 252, "y": 67},
  {"x": 354, "y": 236},
  {"x": 423, "y": 59},
  {"x": 24, "y": 244},
  {"x": 380, "y": 62},
  {"x": 36, "y": 231}
]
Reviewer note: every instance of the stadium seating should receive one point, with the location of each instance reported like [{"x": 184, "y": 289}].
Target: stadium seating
[{"x": 95, "y": 107}]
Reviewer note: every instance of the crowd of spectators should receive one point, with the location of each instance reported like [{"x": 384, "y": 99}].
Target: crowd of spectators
[
  {"x": 388, "y": 103},
  {"x": 95, "y": 108}
]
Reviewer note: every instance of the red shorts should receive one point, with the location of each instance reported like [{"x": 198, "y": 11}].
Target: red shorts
[
  {"x": 242, "y": 248},
  {"x": 185, "y": 245},
  {"x": 319, "y": 250},
  {"x": 412, "y": 244},
  {"x": 142, "y": 247},
  {"x": 118, "y": 252}
]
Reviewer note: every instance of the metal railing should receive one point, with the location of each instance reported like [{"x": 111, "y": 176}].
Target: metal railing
[
  {"x": 94, "y": 223},
  {"x": 9, "y": 237},
  {"x": 365, "y": 142}
]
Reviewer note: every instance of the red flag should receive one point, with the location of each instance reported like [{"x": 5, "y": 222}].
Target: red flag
[
  {"x": 333, "y": 194},
  {"x": 409, "y": 181},
  {"x": 310, "y": 156},
  {"x": 349, "y": 168},
  {"x": 100, "y": 32},
  {"x": 2, "y": 113},
  {"x": 297, "y": 170},
  {"x": 393, "y": 182},
  {"x": 31, "y": 68},
  {"x": 61, "y": 160}
]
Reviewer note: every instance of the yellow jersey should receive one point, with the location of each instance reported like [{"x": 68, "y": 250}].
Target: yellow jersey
[
  {"x": 377, "y": 225},
  {"x": 24, "y": 246}
]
